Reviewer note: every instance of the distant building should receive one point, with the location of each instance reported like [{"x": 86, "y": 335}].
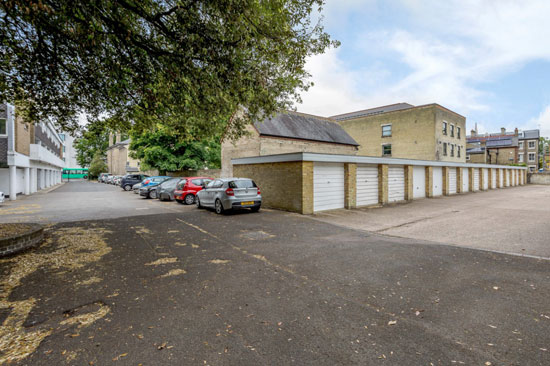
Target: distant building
[
  {"x": 31, "y": 155},
  {"x": 504, "y": 148},
  {"x": 119, "y": 161},
  {"x": 426, "y": 132},
  {"x": 69, "y": 152}
]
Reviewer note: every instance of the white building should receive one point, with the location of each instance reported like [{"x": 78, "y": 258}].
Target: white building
[
  {"x": 69, "y": 152},
  {"x": 30, "y": 155}
]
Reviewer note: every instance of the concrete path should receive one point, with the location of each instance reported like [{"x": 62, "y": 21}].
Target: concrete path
[{"x": 513, "y": 220}]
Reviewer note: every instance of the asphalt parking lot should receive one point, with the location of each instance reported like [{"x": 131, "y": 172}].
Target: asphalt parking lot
[
  {"x": 512, "y": 220},
  {"x": 268, "y": 288}
]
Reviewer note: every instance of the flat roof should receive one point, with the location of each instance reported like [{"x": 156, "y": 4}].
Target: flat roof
[{"x": 358, "y": 159}]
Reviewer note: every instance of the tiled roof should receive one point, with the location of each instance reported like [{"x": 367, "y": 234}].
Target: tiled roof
[{"x": 304, "y": 127}]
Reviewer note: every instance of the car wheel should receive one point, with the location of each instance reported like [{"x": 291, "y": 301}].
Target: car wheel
[
  {"x": 218, "y": 207},
  {"x": 255, "y": 209},
  {"x": 127, "y": 187},
  {"x": 189, "y": 199},
  {"x": 198, "y": 202},
  {"x": 153, "y": 194}
]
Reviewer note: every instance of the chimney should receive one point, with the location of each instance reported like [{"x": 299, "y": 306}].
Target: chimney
[
  {"x": 117, "y": 138},
  {"x": 474, "y": 133},
  {"x": 502, "y": 130},
  {"x": 516, "y": 132},
  {"x": 110, "y": 138}
]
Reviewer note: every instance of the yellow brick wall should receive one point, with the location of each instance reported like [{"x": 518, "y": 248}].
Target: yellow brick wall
[
  {"x": 22, "y": 136},
  {"x": 503, "y": 157},
  {"x": 456, "y": 120},
  {"x": 281, "y": 184},
  {"x": 415, "y": 133}
]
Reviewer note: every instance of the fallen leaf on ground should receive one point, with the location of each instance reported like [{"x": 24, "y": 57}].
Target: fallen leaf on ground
[
  {"x": 162, "y": 261},
  {"x": 392, "y": 322},
  {"x": 219, "y": 261}
]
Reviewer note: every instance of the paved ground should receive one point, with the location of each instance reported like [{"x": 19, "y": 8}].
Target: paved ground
[
  {"x": 195, "y": 288},
  {"x": 512, "y": 220},
  {"x": 82, "y": 200}
]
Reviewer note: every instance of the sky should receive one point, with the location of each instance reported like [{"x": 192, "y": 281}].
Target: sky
[{"x": 488, "y": 60}]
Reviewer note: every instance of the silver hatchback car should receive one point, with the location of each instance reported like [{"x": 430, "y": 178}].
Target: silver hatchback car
[{"x": 230, "y": 193}]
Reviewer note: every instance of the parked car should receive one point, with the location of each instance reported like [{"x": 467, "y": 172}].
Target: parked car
[
  {"x": 102, "y": 177},
  {"x": 109, "y": 179},
  {"x": 116, "y": 180},
  {"x": 187, "y": 189},
  {"x": 136, "y": 188},
  {"x": 229, "y": 194},
  {"x": 2, "y": 197},
  {"x": 165, "y": 190},
  {"x": 146, "y": 189},
  {"x": 129, "y": 180}
]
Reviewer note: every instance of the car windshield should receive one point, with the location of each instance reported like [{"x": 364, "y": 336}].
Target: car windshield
[{"x": 242, "y": 184}]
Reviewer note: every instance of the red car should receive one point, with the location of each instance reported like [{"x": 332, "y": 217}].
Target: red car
[{"x": 188, "y": 187}]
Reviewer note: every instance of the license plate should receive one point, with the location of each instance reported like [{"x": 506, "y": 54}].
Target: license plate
[{"x": 247, "y": 203}]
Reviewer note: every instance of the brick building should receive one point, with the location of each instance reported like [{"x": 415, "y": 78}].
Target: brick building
[
  {"x": 288, "y": 132},
  {"x": 119, "y": 161},
  {"x": 426, "y": 132},
  {"x": 504, "y": 148},
  {"x": 30, "y": 154}
]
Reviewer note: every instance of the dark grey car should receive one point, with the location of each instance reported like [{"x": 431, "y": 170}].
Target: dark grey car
[
  {"x": 165, "y": 190},
  {"x": 230, "y": 193}
]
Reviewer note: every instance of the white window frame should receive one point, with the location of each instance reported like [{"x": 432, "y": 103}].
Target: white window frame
[
  {"x": 458, "y": 151},
  {"x": 452, "y": 150},
  {"x": 452, "y": 130},
  {"x": 458, "y": 132},
  {"x": 521, "y": 145},
  {"x": 6, "y": 122},
  {"x": 534, "y": 157},
  {"x": 520, "y": 158},
  {"x": 445, "y": 127},
  {"x": 534, "y": 144},
  {"x": 444, "y": 149},
  {"x": 391, "y": 130}
]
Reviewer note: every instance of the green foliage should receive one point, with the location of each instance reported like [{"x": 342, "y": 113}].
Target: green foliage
[
  {"x": 544, "y": 146},
  {"x": 97, "y": 166},
  {"x": 190, "y": 63},
  {"x": 164, "y": 150},
  {"x": 94, "y": 140}
]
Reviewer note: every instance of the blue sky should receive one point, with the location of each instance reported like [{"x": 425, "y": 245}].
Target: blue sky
[{"x": 487, "y": 60}]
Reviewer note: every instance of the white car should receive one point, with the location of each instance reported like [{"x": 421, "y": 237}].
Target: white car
[{"x": 1, "y": 197}]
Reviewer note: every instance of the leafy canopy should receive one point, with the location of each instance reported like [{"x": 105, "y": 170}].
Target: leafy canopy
[
  {"x": 94, "y": 139},
  {"x": 164, "y": 150},
  {"x": 190, "y": 63}
]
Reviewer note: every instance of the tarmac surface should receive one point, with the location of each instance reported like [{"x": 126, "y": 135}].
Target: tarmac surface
[
  {"x": 267, "y": 288},
  {"x": 512, "y": 220}
]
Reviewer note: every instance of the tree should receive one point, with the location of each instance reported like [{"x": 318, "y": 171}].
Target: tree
[
  {"x": 164, "y": 150},
  {"x": 97, "y": 166},
  {"x": 93, "y": 140},
  {"x": 544, "y": 147},
  {"x": 190, "y": 63}
]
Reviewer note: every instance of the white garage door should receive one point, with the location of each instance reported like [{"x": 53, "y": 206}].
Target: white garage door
[
  {"x": 476, "y": 179},
  {"x": 465, "y": 179},
  {"x": 485, "y": 179},
  {"x": 328, "y": 186},
  {"x": 452, "y": 180},
  {"x": 507, "y": 178},
  {"x": 396, "y": 183},
  {"x": 437, "y": 181},
  {"x": 367, "y": 185},
  {"x": 419, "y": 182},
  {"x": 501, "y": 177},
  {"x": 520, "y": 177},
  {"x": 494, "y": 178}
]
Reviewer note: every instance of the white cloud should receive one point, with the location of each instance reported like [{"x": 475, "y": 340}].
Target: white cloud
[
  {"x": 449, "y": 48},
  {"x": 542, "y": 122}
]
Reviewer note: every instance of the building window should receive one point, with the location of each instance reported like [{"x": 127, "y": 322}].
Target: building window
[
  {"x": 386, "y": 131},
  {"x": 452, "y": 130},
  {"x": 452, "y": 148},
  {"x": 386, "y": 150},
  {"x": 467, "y": 157},
  {"x": 3, "y": 127},
  {"x": 520, "y": 158},
  {"x": 457, "y": 132},
  {"x": 444, "y": 149},
  {"x": 521, "y": 145},
  {"x": 532, "y": 144},
  {"x": 531, "y": 156},
  {"x": 457, "y": 150},
  {"x": 444, "y": 127}
]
